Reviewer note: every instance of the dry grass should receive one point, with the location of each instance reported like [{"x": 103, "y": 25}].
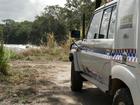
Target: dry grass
[
  {"x": 44, "y": 53},
  {"x": 49, "y": 51},
  {"x": 19, "y": 86}
]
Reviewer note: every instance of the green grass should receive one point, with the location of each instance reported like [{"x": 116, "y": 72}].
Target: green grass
[{"x": 4, "y": 59}]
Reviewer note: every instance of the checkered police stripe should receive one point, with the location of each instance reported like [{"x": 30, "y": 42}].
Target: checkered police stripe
[
  {"x": 112, "y": 54},
  {"x": 117, "y": 54}
]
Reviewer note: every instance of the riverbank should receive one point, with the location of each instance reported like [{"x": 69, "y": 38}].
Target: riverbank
[{"x": 19, "y": 47}]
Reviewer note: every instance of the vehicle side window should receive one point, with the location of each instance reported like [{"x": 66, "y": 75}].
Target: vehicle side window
[
  {"x": 112, "y": 26},
  {"x": 94, "y": 26},
  {"x": 105, "y": 23}
]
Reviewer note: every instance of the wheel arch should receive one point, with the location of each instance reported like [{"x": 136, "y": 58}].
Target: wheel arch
[
  {"x": 123, "y": 77},
  {"x": 116, "y": 84}
]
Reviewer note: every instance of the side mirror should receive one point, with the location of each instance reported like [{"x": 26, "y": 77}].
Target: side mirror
[{"x": 75, "y": 34}]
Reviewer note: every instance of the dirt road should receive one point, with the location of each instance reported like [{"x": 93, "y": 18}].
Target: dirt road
[{"x": 48, "y": 83}]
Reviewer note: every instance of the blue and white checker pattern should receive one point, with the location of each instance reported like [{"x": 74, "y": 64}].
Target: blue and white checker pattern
[
  {"x": 112, "y": 54},
  {"x": 116, "y": 54}
]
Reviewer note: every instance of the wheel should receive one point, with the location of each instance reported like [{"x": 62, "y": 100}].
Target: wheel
[
  {"x": 76, "y": 79},
  {"x": 123, "y": 97}
]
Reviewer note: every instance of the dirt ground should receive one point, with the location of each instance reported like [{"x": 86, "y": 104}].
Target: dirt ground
[{"x": 46, "y": 83}]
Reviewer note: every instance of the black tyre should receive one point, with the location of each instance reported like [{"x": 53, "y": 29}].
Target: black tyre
[
  {"x": 76, "y": 79},
  {"x": 123, "y": 97}
]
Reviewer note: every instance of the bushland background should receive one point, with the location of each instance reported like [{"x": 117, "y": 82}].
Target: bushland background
[
  {"x": 40, "y": 75},
  {"x": 55, "y": 20}
]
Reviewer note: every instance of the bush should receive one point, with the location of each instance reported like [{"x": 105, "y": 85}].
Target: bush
[
  {"x": 49, "y": 51},
  {"x": 51, "y": 42},
  {"x": 3, "y": 60}
]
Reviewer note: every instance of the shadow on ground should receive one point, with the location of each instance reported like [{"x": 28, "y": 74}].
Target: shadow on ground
[
  {"x": 58, "y": 95},
  {"x": 48, "y": 83},
  {"x": 93, "y": 96}
]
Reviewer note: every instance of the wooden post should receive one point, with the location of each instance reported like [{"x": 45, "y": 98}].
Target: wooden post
[{"x": 83, "y": 28}]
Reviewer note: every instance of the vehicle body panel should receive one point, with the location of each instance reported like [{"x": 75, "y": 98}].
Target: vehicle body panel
[{"x": 100, "y": 59}]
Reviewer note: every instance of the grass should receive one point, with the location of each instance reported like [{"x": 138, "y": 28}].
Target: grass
[
  {"x": 4, "y": 66},
  {"x": 49, "y": 51},
  {"x": 20, "y": 83},
  {"x": 57, "y": 53}
]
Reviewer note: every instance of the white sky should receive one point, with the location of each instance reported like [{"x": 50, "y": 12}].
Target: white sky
[{"x": 21, "y": 10}]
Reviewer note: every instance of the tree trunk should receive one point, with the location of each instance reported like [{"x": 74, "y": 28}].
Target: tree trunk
[{"x": 98, "y": 3}]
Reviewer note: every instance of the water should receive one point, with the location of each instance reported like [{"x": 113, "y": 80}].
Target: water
[{"x": 19, "y": 47}]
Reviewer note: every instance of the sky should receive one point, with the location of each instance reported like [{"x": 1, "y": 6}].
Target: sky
[{"x": 20, "y": 10}]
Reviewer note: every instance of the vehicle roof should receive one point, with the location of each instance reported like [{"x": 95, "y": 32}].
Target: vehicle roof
[{"x": 107, "y": 4}]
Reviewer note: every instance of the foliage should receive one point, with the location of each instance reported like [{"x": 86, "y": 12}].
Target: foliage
[
  {"x": 9, "y": 53},
  {"x": 54, "y": 19},
  {"x": 3, "y": 58},
  {"x": 50, "y": 30},
  {"x": 78, "y": 7},
  {"x": 51, "y": 43},
  {"x": 48, "y": 22},
  {"x": 49, "y": 51},
  {"x": 15, "y": 32}
]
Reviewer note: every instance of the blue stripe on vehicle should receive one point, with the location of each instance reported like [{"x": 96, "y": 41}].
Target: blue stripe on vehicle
[{"x": 115, "y": 54}]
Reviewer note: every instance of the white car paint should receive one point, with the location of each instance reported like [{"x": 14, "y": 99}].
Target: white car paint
[{"x": 102, "y": 58}]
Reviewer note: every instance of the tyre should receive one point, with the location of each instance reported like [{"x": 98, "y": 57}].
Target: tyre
[
  {"x": 76, "y": 79},
  {"x": 123, "y": 97}
]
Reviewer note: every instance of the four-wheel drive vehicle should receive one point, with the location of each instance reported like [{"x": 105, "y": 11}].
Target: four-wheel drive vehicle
[{"x": 109, "y": 56}]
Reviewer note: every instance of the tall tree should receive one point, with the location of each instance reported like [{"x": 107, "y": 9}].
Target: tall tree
[
  {"x": 54, "y": 19},
  {"x": 49, "y": 22},
  {"x": 75, "y": 9},
  {"x": 9, "y": 30},
  {"x": 16, "y": 32},
  {"x": 23, "y": 32}
]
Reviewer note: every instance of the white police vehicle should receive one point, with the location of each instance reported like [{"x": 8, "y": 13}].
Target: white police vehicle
[{"x": 109, "y": 56}]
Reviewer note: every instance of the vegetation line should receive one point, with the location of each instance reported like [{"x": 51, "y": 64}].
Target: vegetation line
[{"x": 54, "y": 19}]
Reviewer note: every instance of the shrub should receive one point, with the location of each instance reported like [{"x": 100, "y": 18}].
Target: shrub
[
  {"x": 49, "y": 51},
  {"x": 3, "y": 60},
  {"x": 51, "y": 42}
]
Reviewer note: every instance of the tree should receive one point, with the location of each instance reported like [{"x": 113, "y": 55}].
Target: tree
[
  {"x": 75, "y": 9},
  {"x": 98, "y": 3},
  {"x": 23, "y": 32},
  {"x": 55, "y": 19},
  {"x": 1, "y": 32},
  {"x": 49, "y": 22},
  {"x": 9, "y": 30},
  {"x": 15, "y": 32}
]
